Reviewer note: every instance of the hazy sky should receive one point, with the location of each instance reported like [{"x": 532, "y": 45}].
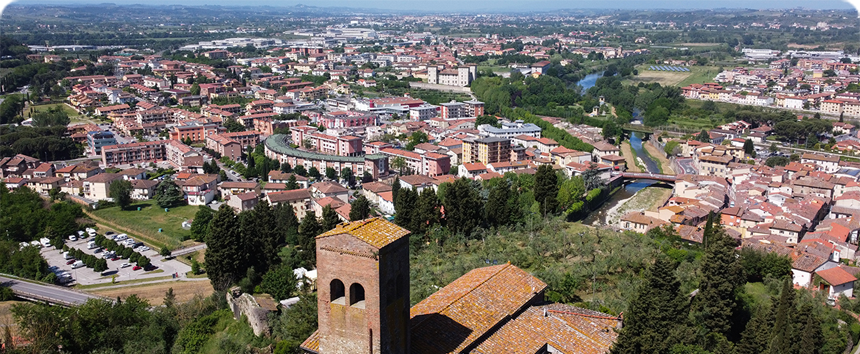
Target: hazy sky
[{"x": 491, "y": 5}]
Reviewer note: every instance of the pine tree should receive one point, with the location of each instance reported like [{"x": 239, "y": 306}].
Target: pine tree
[
  {"x": 497, "y": 204},
  {"x": 308, "y": 231},
  {"x": 286, "y": 168},
  {"x": 654, "y": 312},
  {"x": 722, "y": 279},
  {"x": 428, "y": 213},
  {"x": 222, "y": 248},
  {"x": 546, "y": 189},
  {"x": 200, "y": 225},
  {"x": 330, "y": 218},
  {"x": 783, "y": 333},
  {"x": 756, "y": 336},
  {"x": 360, "y": 208}
]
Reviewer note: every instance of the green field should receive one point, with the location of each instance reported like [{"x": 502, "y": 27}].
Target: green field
[
  {"x": 73, "y": 115},
  {"x": 697, "y": 75},
  {"x": 149, "y": 219}
]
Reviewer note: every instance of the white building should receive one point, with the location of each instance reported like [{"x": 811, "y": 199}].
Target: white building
[{"x": 510, "y": 130}]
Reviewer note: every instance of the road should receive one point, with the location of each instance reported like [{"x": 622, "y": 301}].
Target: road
[
  {"x": 187, "y": 250},
  {"x": 41, "y": 292}
]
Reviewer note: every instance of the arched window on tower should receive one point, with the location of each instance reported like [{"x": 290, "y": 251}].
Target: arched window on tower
[
  {"x": 356, "y": 295},
  {"x": 337, "y": 291}
]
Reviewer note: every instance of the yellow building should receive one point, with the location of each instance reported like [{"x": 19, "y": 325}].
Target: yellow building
[{"x": 486, "y": 150}]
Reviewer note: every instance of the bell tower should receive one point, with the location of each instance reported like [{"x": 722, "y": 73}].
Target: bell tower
[{"x": 363, "y": 288}]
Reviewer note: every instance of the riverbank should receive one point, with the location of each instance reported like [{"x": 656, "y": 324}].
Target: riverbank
[
  {"x": 649, "y": 198},
  {"x": 660, "y": 157},
  {"x": 630, "y": 157}
]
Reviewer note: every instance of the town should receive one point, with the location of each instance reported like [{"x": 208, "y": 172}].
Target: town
[{"x": 341, "y": 182}]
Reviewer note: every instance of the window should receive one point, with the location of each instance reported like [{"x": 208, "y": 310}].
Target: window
[
  {"x": 336, "y": 289},
  {"x": 356, "y": 295}
]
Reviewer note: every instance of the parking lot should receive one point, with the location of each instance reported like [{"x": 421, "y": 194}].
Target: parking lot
[{"x": 87, "y": 276}]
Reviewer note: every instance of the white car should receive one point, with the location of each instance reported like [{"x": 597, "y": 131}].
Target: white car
[
  {"x": 144, "y": 249},
  {"x": 125, "y": 265},
  {"x": 73, "y": 238}
]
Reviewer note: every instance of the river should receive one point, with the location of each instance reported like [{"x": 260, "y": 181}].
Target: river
[
  {"x": 599, "y": 216},
  {"x": 589, "y": 81}
]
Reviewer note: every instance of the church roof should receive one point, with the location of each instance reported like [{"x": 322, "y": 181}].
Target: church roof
[
  {"x": 457, "y": 315},
  {"x": 376, "y": 232}
]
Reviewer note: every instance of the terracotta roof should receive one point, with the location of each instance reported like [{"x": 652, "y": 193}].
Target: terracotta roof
[
  {"x": 376, "y": 232},
  {"x": 103, "y": 178},
  {"x": 238, "y": 184},
  {"x": 457, "y": 315},
  {"x": 289, "y": 196},
  {"x": 416, "y": 180},
  {"x": 808, "y": 262},
  {"x": 329, "y": 188},
  {"x": 836, "y": 276},
  {"x": 376, "y": 187},
  {"x": 312, "y": 344}
]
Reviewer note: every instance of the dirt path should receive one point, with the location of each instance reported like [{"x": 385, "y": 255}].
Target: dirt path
[
  {"x": 660, "y": 156},
  {"x": 154, "y": 292},
  {"x": 630, "y": 157}
]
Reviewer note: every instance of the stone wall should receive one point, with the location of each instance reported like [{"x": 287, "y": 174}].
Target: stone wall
[{"x": 246, "y": 305}]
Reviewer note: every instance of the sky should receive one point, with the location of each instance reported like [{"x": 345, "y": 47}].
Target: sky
[{"x": 489, "y": 5}]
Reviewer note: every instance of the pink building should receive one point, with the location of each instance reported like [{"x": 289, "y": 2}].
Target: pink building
[
  {"x": 343, "y": 119},
  {"x": 428, "y": 163},
  {"x": 346, "y": 145}
]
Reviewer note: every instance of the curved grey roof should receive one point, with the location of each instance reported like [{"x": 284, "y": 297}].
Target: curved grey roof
[{"x": 278, "y": 144}]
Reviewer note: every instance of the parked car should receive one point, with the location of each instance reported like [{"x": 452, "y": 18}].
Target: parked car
[
  {"x": 115, "y": 258},
  {"x": 124, "y": 265},
  {"x": 144, "y": 249},
  {"x": 78, "y": 264},
  {"x": 149, "y": 267},
  {"x": 70, "y": 261},
  {"x": 136, "y": 268},
  {"x": 73, "y": 238}
]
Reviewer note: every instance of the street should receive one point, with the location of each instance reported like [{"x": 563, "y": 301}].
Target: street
[{"x": 48, "y": 291}]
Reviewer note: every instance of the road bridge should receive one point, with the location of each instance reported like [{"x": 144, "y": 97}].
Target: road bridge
[
  {"x": 52, "y": 294},
  {"x": 649, "y": 176}
]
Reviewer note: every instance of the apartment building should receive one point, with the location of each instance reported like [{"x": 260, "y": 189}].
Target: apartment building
[
  {"x": 486, "y": 150},
  {"x": 98, "y": 139},
  {"x": 510, "y": 130},
  {"x": 428, "y": 163},
  {"x": 197, "y": 132}
]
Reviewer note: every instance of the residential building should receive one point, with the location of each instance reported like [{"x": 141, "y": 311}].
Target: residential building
[
  {"x": 510, "y": 130},
  {"x": 199, "y": 189},
  {"x": 486, "y": 150},
  {"x": 462, "y": 76},
  {"x": 98, "y": 139},
  {"x": 98, "y": 187},
  {"x": 299, "y": 200}
]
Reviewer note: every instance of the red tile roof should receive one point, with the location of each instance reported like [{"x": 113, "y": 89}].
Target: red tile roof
[{"x": 836, "y": 276}]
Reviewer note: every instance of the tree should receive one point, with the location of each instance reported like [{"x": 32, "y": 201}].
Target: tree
[
  {"x": 360, "y": 208},
  {"x": 405, "y": 209},
  {"x": 265, "y": 239},
  {"x": 366, "y": 177},
  {"x": 776, "y": 161},
  {"x": 120, "y": 191},
  {"x": 654, "y": 312},
  {"x": 783, "y": 333},
  {"x": 314, "y": 173},
  {"x": 749, "y": 148},
  {"x": 773, "y": 148},
  {"x": 233, "y": 126},
  {"x": 223, "y": 254},
  {"x": 292, "y": 184},
  {"x": 330, "y": 218},
  {"x": 416, "y": 138},
  {"x": 346, "y": 175},
  {"x": 399, "y": 163},
  {"x": 704, "y": 137},
  {"x": 165, "y": 252},
  {"x": 308, "y": 231},
  {"x": 286, "y": 224},
  {"x": 330, "y": 173},
  {"x": 497, "y": 204},
  {"x": 395, "y": 188},
  {"x": 591, "y": 178},
  {"x": 463, "y": 207},
  {"x": 486, "y": 119},
  {"x": 200, "y": 224},
  {"x": 546, "y": 189},
  {"x": 722, "y": 279},
  {"x": 756, "y": 336},
  {"x": 286, "y": 168},
  {"x": 428, "y": 212},
  {"x": 195, "y": 89},
  {"x": 296, "y": 324},
  {"x": 570, "y": 192},
  {"x": 280, "y": 282},
  {"x": 168, "y": 194},
  {"x": 809, "y": 330},
  {"x": 300, "y": 170}
]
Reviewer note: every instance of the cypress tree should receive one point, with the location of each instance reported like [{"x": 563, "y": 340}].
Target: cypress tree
[
  {"x": 330, "y": 218},
  {"x": 395, "y": 189},
  {"x": 360, "y": 208},
  {"x": 498, "y": 212},
  {"x": 287, "y": 225},
  {"x": 428, "y": 210},
  {"x": 756, "y": 336},
  {"x": 654, "y": 312},
  {"x": 810, "y": 333},
  {"x": 308, "y": 231},
  {"x": 222, "y": 248},
  {"x": 781, "y": 342},
  {"x": 463, "y": 207},
  {"x": 267, "y": 237},
  {"x": 291, "y": 183},
  {"x": 546, "y": 189},
  {"x": 722, "y": 280},
  {"x": 405, "y": 209}
]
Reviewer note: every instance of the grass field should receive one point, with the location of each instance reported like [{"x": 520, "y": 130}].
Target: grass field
[
  {"x": 149, "y": 219},
  {"x": 154, "y": 293},
  {"x": 697, "y": 75}
]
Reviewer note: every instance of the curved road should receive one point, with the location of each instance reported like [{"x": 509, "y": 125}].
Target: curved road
[{"x": 50, "y": 293}]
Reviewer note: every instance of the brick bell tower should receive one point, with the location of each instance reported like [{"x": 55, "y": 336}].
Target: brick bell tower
[{"x": 363, "y": 288}]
